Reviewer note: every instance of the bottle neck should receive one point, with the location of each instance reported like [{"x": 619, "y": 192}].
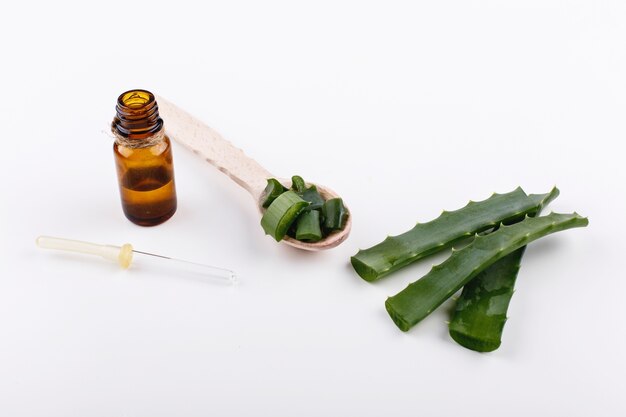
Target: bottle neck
[{"x": 137, "y": 122}]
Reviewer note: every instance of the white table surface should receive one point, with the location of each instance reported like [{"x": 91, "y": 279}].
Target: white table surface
[{"x": 403, "y": 108}]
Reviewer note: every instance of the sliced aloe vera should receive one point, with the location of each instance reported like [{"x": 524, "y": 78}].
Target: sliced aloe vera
[
  {"x": 286, "y": 213},
  {"x": 312, "y": 196},
  {"x": 273, "y": 189},
  {"x": 420, "y": 298},
  {"x": 334, "y": 214},
  {"x": 297, "y": 184},
  {"x": 281, "y": 214},
  {"x": 441, "y": 233},
  {"x": 480, "y": 315},
  {"x": 308, "y": 229}
]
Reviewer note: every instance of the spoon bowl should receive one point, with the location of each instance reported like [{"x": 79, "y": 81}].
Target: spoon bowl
[
  {"x": 232, "y": 161},
  {"x": 333, "y": 239}
]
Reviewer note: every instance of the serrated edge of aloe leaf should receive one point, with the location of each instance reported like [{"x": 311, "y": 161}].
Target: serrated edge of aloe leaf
[
  {"x": 544, "y": 199},
  {"x": 365, "y": 269},
  {"x": 462, "y": 328},
  {"x": 423, "y": 296}
]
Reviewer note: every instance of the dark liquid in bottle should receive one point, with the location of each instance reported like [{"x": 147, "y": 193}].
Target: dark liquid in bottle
[{"x": 147, "y": 185}]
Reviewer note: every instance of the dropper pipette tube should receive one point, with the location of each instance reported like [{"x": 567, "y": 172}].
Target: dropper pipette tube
[{"x": 125, "y": 254}]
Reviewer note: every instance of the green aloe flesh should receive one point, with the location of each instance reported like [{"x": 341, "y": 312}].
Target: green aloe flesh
[
  {"x": 301, "y": 212},
  {"x": 308, "y": 228},
  {"x": 273, "y": 189},
  {"x": 449, "y": 228},
  {"x": 283, "y": 211},
  {"x": 297, "y": 184},
  {"x": 334, "y": 214},
  {"x": 420, "y": 298},
  {"x": 480, "y": 314},
  {"x": 312, "y": 196},
  {"x": 481, "y": 310}
]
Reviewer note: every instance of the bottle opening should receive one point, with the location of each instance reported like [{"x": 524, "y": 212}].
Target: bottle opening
[
  {"x": 137, "y": 115},
  {"x": 136, "y": 99}
]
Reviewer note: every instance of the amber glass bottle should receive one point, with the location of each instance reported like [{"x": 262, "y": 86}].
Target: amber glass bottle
[{"x": 143, "y": 156}]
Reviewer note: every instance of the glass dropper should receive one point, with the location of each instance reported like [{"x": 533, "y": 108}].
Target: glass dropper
[{"x": 125, "y": 254}]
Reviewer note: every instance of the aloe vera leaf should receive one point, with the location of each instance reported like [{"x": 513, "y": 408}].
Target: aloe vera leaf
[
  {"x": 449, "y": 228},
  {"x": 420, "y": 298},
  {"x": 312, "y": 196},
  {"x": 480, "y": 315},
  {"x": 273, "y": 189},
  {"x": 297, "y": 184},
  {"x": 334, "y": 214},
  {"x": 308, "y": 228},
  {"x": 281, "y": 214}
]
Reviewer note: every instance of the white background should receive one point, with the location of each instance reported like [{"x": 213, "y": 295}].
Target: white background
[{"x": 404, "y": 108}]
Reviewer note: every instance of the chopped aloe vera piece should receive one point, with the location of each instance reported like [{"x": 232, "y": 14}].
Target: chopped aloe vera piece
[
  {"x": 297, "y": 184},
  {"x": 478, "y": 320},
  {"x": 334, "y": 213},
  {"x": 308, "y": 228},
  {"x": 288, "y": 217},
  {"x": 281, "y": 214},
  {"x": 272, "y": 191},
  {"x": 420, "y": 298},
  {"x": 312, "y": 196},
  {"x": 449, "y": 228}
]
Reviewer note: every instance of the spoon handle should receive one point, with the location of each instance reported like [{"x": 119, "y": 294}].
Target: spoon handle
[{"x": 210, "y": 145}]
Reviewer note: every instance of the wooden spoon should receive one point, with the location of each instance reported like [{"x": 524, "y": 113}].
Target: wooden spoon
[{"x": 245, "y": 171}]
